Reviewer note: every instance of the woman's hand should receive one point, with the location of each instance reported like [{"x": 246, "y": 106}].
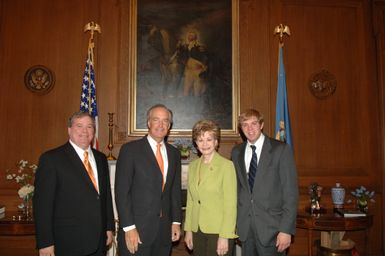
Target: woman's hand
[
  {"x": 222, "y": 246},
  {"x": 188, "y": 239}
]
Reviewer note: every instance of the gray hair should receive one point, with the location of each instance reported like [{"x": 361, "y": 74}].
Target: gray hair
[{"x": 149, "y": 112}]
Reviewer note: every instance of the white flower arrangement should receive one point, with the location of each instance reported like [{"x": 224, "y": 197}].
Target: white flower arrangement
[
  {"x": 26, "y": 191},
  {"x": 23, "y": 175}
]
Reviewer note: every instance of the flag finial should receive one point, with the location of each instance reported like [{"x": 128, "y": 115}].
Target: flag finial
[
  {"x": 92, "y": 26},
  {"x": 281, "y": 30}
]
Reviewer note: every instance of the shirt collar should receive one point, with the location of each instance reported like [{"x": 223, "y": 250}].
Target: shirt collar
[
  {"x": 259, "y": 143},
  {"x": 153, "y": 142},
  {"x": 79, "y": 150}
]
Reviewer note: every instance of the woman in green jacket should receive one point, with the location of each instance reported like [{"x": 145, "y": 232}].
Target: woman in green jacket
[{"x": 211, "y": 196}]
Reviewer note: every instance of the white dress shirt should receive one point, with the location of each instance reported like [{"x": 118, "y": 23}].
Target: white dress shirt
[
  {"x": 91, "y": 159},
  {"x": 248, "y": 152}
]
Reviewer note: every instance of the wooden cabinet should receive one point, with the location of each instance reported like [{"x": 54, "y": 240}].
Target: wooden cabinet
[{"x": 17, "y": 236}]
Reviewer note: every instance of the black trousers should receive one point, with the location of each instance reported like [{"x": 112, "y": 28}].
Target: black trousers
[
  {"x": 157, "y": 248},
  {"x": 206, "y": 244}
]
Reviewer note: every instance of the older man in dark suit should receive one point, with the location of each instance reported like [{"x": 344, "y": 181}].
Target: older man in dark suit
[
  {"x": 72, "y": 200},
  {"x": 148, "y": 190},
  {"x": 267, "y": 189}
]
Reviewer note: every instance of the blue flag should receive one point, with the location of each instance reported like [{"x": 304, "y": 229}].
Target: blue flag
[
  {"x": 282, "y": 119},
  {"x": 88, "y": 94}
]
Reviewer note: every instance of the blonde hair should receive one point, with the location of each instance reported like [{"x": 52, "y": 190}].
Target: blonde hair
[
  {"x": 203, "y": 126},
  {"x": 247, "y": 114}
]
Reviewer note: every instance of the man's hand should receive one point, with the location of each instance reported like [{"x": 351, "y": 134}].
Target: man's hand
[
  {"x": 110, "y": 236},
  {"x": 47, "y": 251},
  {"x": 175, "y": 232},
  {"x": 222, "y": 246},
  {"x": 132, "y": 240},
  {"x": 283, "y": 241},
  {"x": 188, "y": 239}
]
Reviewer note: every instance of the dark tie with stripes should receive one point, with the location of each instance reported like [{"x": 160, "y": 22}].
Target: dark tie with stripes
[{"x": 252, "y": 168}]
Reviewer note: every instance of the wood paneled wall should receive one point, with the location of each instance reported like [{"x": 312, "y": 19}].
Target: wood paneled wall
[{"x": 338, "y": 139}]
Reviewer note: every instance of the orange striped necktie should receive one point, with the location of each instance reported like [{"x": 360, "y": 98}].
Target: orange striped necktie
[
  {"x": 159, "y": 159},
  {"x": 90, "y": 172}
]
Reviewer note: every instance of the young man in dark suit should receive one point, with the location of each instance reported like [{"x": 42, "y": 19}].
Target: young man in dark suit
[
  {"x": 72, "y": 199},
  {"x": 148, "y": 190},
  {"x": 267, "y": 189}
]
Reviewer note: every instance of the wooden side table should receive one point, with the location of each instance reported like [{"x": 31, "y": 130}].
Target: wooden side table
[
  {"x": 17, "y": 235},
  {"x": 332, "y": 222},
  {"x": 13, "y": 225}
]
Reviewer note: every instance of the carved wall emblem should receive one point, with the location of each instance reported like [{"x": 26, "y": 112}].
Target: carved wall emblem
[
  {"x": 39, "y": 79},
  {"x": 322, "y": 84}
]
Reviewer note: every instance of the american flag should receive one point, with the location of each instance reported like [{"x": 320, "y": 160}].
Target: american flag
[{"x": 88, "y": 95}]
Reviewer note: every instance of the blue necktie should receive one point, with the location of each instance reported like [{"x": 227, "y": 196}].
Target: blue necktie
[{"x": 252, "y": 168}]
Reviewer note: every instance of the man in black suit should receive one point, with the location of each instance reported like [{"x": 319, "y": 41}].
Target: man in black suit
[
  {"x": 149, "y": 201},
  {"x": 267, "y": 195},
  {"x": 72, "y": 205}
]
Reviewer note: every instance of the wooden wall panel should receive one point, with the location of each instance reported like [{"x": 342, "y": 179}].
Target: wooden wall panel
[
  {"x": 330, "y": 139},
  {"x": 330, "y": 37},
  {"x": 51, "y": 35},
  {"x": 379, "y": 31},
  {"x": 339, "y": 139},
  {"x": 255, "y": 39}
]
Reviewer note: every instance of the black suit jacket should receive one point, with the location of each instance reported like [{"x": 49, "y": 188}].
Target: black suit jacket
[
  {"x": 138, "y": 190},
  {"x": 69, "y": 213}
]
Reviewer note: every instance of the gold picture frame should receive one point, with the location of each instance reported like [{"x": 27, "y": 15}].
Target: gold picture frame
[{"x": 162, "y": 37}]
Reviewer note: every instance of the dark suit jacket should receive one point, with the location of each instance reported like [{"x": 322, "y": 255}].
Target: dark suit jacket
[
  {"x": 69, "y": 213},
  {"x": 273, "y": 203},
  {"x": 138, "y": 190}
]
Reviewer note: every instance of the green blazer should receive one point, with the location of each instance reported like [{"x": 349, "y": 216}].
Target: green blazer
[{"x": 212, "y": 202}]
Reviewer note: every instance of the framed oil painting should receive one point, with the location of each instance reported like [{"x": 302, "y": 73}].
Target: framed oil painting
[{"x": 184, "y": 54}]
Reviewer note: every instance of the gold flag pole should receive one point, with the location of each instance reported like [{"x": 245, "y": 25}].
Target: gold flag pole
[
  {"x": 91, "y": 26},
  {"x": 281, "y": 30},
  {"x": 110, "y": 136}
]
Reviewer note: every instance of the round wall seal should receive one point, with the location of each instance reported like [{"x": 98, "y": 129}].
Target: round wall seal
[
  {"x": 39, "y": 79},
  {"x": 322, "y": 84}
]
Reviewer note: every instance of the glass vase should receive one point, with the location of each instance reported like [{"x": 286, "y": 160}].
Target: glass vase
[
  {"x": 362, "y": 205},
  {"x": 27, "y": 208},
  {"x": 185, "y": 154}
]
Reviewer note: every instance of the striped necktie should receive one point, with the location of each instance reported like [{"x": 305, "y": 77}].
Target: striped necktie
[
  {"x": 252, "y": 168},
  {"x": 90, "y": 172}
]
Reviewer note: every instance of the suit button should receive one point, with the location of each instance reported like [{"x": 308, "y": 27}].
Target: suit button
[
  {"x": 251, "y": 200},
  {"x": 199, "y": 201}
]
